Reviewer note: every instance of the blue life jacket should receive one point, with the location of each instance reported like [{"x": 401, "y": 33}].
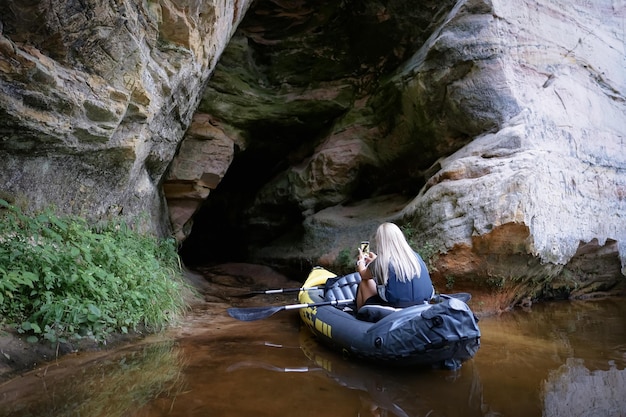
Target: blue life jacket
[{"x": 410, "y": 292}]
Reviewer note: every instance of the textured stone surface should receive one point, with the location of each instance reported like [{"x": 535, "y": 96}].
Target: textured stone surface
[
  {"x": 557, "y": 165},
  {"x": 96, "y": 96},
  {"x": 201, "y": 162}
]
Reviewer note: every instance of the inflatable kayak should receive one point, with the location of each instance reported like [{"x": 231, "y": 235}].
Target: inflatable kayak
[{"x": 442, "y": 334}]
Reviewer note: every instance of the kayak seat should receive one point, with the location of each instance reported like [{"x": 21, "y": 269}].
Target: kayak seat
[
  {"x": 342, "y": 288},
  {"x": 375, "y": 312}
]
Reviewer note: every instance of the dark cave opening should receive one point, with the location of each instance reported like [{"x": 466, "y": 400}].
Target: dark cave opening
[{"x": 229, "y": 222}]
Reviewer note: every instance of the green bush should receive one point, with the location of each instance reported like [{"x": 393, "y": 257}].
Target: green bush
[
  {"x": 62, "y": 278},
  {"x": 345, "y": 261}
]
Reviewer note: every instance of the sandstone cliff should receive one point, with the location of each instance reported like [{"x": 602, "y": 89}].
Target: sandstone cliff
[
  {"x": 96, "y": 96},
  {"x": 495, "y": 130}
]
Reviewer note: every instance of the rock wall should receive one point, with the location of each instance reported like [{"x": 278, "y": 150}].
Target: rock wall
[
  {"x": 96, "y": 97},
  {"x": 498, "y": 139},
  {"x": 555, "y": 161}
]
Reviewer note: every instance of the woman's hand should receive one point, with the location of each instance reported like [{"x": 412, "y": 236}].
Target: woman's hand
[
  {"x": 364, "y": 259},
  {"x": 369, "y": 257}
]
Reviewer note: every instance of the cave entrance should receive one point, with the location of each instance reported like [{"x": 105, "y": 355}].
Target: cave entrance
[{"x": 231, "y": 221}]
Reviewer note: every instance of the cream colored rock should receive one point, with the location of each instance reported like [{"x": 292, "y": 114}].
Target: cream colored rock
[
  {"x": 198, "y": 167},
  {"x": 558, "y": 166},
  {"x": 502, "y": 124}
]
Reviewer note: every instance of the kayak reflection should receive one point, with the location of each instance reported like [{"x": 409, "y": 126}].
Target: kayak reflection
[
  {"x": 400, "y": 392},
  {"x": 384, "y": 391}
]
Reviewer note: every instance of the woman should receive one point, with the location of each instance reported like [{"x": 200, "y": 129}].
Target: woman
[{"x": 397, "y": 276}]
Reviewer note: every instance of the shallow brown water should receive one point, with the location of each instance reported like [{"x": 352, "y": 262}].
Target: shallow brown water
[{"x": 559, "y": 359}]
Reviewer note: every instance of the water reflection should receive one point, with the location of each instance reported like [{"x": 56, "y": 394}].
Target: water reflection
[
  {"x": 109, "y": 386},
  {"x": 560, "y": 359},
  {"x": 574, "y": 387},
  {"x": 380, "y": 391},
  {"x": 523, "y": 350},
  {"x": 400, "y": 392}
]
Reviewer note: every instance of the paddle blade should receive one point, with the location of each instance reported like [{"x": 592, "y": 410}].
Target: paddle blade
[
  {"x": 253, "y": 313},
  {"x": 463, "y": 296}
]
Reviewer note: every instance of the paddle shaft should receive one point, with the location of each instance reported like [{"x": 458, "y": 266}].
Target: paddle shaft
[
  {"x": 257, "y": 313},
  {"x": 276, "y": 291},
  {"x": 282, "y": 290}
]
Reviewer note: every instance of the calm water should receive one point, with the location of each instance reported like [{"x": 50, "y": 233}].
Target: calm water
[{"x": 559, "y": 359}]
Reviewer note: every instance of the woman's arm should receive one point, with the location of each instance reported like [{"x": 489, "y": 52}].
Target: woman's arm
[
  {"x": 367, "y": 286},
  {"x": 362, "y": 262}
]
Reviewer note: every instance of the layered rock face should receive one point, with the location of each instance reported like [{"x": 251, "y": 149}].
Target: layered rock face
[
  {"x": 546, "y": 185},
  {"x": 96, "y": 96},
  {"x": 493, "y": 130}
]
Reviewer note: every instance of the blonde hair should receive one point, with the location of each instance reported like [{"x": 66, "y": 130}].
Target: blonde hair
[{"x": 392, "y": 248}]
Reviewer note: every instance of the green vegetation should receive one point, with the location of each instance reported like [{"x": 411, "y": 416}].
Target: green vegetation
[
  {"x": 63, "y": 279},
  {"x": 495, "y": 282},
  {"x": 449, "y": 282},
  {"x": 426, "y": 249},
  {"x": 345, "y": 261}
]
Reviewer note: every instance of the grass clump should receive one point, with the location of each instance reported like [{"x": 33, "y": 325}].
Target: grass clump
[{"x": 63, "y": 279}]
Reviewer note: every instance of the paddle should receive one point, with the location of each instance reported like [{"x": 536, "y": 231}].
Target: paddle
[
  {"x": 257, "y": 313},
  {"x": 285, "y": 290},
  {"x": 277, "y": 291}
]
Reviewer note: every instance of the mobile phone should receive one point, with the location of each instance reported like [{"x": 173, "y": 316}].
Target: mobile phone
[{"x": 365, "y": 246}]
